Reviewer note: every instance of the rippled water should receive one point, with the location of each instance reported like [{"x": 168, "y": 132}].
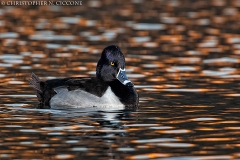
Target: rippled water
[{"x": 183, "y": 57}]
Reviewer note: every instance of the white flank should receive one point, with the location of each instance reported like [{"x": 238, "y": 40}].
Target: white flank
[{"x": 81, "y": 99}]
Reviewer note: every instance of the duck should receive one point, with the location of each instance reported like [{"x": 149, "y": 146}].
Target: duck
[{"x": 109, "y": 88}]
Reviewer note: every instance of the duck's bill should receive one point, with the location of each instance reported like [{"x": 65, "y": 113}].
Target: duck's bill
[{"x": 122, "y": 77}]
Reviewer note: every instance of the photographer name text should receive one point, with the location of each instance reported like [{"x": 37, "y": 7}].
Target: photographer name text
[{"x": 41, "y": 3}]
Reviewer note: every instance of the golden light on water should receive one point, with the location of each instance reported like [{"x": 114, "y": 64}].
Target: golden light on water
[
  {"x": 148, "y": 156},
  {"x": 215, "y": 139}
]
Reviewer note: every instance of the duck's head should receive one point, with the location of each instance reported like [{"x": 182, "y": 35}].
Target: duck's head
[{"x": 111, "y": 66}]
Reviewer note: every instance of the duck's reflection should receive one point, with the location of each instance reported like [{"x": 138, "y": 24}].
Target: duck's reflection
[{"x": 112, "y": 118}]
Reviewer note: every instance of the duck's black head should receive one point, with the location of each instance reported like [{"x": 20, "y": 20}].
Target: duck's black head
[{"x": 111, "y": 66}]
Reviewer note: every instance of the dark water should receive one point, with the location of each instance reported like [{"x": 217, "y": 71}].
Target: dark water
[{"x": 183, "y": 57}]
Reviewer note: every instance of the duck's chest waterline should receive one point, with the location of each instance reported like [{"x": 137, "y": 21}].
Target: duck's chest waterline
[{"x": 82, "y": 99}]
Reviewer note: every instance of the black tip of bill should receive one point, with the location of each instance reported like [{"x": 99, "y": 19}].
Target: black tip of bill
[
  {"x": 122, "y": 77},
  {"x": 130, "y": 84}
]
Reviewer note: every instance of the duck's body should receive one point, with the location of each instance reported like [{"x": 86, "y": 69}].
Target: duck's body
[{"x": 110, "y": 88}]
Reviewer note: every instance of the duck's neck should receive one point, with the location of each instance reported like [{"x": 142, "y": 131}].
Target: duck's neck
[{"x": 127, "y": 95}]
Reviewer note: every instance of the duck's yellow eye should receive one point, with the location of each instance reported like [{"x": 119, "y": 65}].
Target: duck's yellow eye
[{"x": 112, "y": 63}]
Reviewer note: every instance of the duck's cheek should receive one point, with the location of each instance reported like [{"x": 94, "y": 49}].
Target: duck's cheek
[{"x": 109, "y": 76}]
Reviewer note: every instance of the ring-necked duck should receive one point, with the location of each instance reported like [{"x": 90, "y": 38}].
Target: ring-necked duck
[{"x": 110, "y": 87}]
